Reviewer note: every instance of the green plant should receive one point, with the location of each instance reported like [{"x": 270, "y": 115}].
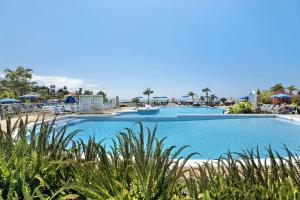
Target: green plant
[
  {"x": 138, "y": 166},
  {"x": 206, "y": 91},
  {"x": 30, "y": 162},
  {"x": 148, "y": 92},
  {"x": 44, "y": 162},
  {"x": 192, "y": 94},
  {"x": 246, "y": 175},
  {"x": 135, "y": 100},
  {"x": 296, "y": 100},
  {"x": 277, "y": 88},
  {"x": 241, "y": 107},
  {"x": 264, "y": 97}
]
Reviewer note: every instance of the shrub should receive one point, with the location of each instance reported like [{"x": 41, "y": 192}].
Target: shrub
[
  {"x": 296, "y": 100},
  {"x": 264, "y": 97},
  {"x": 241, "y": 107},
  {"x": 49, "y": 164},
  {"x": 248, "y": 176}
]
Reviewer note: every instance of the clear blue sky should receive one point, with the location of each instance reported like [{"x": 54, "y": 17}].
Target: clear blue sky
[{"x": 172, "y": 46}]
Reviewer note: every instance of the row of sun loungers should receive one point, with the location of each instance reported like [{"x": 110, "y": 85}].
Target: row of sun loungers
[
  {"x": 277, "y": 109},
  {"x": 65, "y": 110},
  {"x": 60, "y": 110}
]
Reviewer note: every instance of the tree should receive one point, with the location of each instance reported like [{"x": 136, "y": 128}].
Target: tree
[
  {"x": 19, "y": 80},
  {"x": 277, "y": 88},
  {"x": 62, "y": 92},
  {"x": 105, "y": 99},
  {"x": 43, "y": 91},
  {"x": 296, "y": 100},
  {"x": 148, "y": 92},
  {"x": 192, "y": 94},
  {"x": 223, "y": 100},
  {"x": 79, "y": 92},
  {"x": 206, "y": 91},
  {"x": 264, "y": 97},
  {"x": 135, "y": 100},
  {"x": 88, "y": 92},
  {"x": 258, "y": 92},
  {"x": 52, "y": 90},
  {"x": 291, "y": 89},
  {"x": 213, "y": 97},
  {"x": 202, "y": 98}
]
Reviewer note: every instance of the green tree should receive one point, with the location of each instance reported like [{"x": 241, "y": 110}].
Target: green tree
[
  {"x": 62, "y": 92},
  {"x": 105, "y": 99},
  {"x": 277, "y": 88},
  {"x": 206, "y": 91},
  {"x": 192, "y": 94},
  {"x": 135, "y": 100},
  {"x": 19, "y": 80},
  {"x": 264, "y": 97},
  {"x": 291, "y": 89},
  {"x": 148, "y": 92},
  {"x": 223, "y": 100},
  {"x": 79, "y": 92},
  {"x": 296, "y": 100},
  {"x": 52, "y": 90},
  {"x": 258, "y": 92},
  {"x": 43, "y": 91},
  {"x": 88, "y": 92},
  {"x": 213, "y": 97}
]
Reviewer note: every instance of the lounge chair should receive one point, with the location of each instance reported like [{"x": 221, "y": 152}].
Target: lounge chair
[
  {"x": 74, "y": 109},
  {"x": 59, "y": 111}
]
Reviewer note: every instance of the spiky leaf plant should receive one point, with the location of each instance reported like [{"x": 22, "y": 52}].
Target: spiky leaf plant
[
  {"x": 248, "y": 176},
  {"x": 137, "y": 166},
  {"x": 28, "y": 161}
]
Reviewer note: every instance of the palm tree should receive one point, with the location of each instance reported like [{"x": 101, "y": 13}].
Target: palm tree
[
  {"x": 148, "y": 92},
  {"x": 206, "y": 90},
  {"x": 52, "y": 90},
  {"x": 213, "y": 97},
  {"x": 291, "y": 89},
  {"x": 277, "y": 88},
  {"x": 192, "y": 94}
]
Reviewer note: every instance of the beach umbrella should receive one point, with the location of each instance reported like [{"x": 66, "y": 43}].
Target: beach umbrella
[
  {"x": 9, "y": 100},
  {"x": 244, "y": 98},
  {"x": 29, "y": 96},
  {"x": 139, "y": 97},
  {"x": 281, "y": 96},
  {"x": 70, "y": 99}
]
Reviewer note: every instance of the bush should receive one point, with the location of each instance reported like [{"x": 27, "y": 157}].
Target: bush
[
  {"x": 241, "y": 107},
  {"x": 264, "y": 97},
  {"x": 51, "y": 165},
  {"x": 296, "y": 100}
]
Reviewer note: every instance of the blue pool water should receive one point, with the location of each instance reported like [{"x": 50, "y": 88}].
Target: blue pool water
[
  {"x": 174, "y": 111},
  {"x": 210, "y": 138}
]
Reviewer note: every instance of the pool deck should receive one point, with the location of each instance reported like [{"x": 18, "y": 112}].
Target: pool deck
[{"x": 181, "y": 117}]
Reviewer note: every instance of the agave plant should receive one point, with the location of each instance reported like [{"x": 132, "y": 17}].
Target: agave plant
[
  {"x": 248, "y": 176},
  {"x": 29, "y": 161},
  {"x": 137, "y": 166}
]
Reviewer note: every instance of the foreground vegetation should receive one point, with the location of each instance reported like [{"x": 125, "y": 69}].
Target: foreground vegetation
[{"x": 49, "y": 164}]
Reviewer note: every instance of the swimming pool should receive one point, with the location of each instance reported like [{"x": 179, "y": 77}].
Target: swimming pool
[
  {"x": 174, "y": 111},
  {"x": 211, "y": 138}
]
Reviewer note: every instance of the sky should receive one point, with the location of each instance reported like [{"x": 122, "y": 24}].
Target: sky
[{"x": 171, "y": 46}]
